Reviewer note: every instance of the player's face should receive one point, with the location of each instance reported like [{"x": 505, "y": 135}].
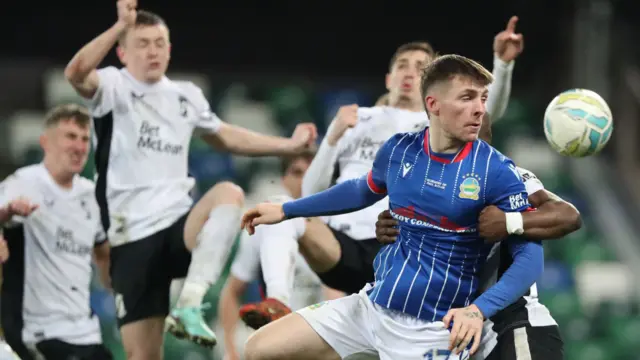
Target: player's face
[
  {"x": 68, "y": 145},
  {"x": 292, "y": 179},
  {"x": 146, "y": 52},
  {"x": 403, "y": 82},
  {"x": 462, "y": 107}
]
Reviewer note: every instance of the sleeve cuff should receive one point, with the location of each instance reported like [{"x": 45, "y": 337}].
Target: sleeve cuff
[{"x": 499, "y": 64}]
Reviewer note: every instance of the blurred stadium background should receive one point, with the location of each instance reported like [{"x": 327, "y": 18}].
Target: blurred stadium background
[{"x": 268, "y": 74}]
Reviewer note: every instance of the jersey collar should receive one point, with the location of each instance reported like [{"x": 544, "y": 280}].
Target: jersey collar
[
  {"x": 141, "y": 88},
  {"x": 463, "y": 153}
]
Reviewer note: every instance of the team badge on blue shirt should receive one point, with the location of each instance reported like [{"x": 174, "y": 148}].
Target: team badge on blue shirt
[{"x": 470, "y": 187}]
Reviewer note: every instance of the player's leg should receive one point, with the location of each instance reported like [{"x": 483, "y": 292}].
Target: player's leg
[
  {"x": 209, "y": 232},
  {"x": 141, "y": 285},
  {"x": 341, "y": 262},
  {"x": 278, "y": 253},
  {"x": 531, "y": 343},
  {"x": 329, "y": 330}
]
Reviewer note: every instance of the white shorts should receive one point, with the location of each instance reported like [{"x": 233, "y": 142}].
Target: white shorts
[
  {"x": 356, "y": 328},
  {"x": 488, "y": 343}
]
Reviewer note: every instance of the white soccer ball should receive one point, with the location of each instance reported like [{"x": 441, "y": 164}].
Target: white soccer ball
[{"x": 578, "y": 123}]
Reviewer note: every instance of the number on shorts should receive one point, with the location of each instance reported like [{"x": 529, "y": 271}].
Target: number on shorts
[{"x": 439, "y": 354}]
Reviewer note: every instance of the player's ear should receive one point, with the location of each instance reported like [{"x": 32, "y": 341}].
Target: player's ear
[
  {"x": 43, "y": 141},
  {"x": 386, "y": 81},
  {"x": 121, "y": 54},
  {"x": 432, "y": 105}
]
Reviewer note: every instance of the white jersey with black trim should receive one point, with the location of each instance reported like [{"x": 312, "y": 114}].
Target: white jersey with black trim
[
  {"x": 527, "y": 310},
  {"x": 143, "y": 134},
  {"x": 49, "y": 272},
  {"x": 356, "y": 151},
  {"x": 307, "y": 286}
]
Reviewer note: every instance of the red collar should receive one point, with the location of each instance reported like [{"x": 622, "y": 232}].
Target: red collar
[{"x": 466, "y": 150}]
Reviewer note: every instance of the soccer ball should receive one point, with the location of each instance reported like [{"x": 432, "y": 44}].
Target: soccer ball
[{"x": 578, "y": 123}]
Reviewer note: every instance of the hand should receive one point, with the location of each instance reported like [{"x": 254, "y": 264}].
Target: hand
[
  {"x": 507, "y": 44},
  {"x": 262, "y": 214},
  {"x": 492, "y": 224},
  {"x": 386, "y": 231},
  {"x": 304, "y": 137},
  {"x": 467, "y": 326},
  {"x": 347, "y": 117},
  {"x": 4, "y": 250},
  {"x": 21, "y": 207},
  {"x": 127, "y": 11}
]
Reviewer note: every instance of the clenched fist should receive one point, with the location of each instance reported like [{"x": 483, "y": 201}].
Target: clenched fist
[
  {"x": 127, "y": 11},
  {"x": 347, "y": 117}
]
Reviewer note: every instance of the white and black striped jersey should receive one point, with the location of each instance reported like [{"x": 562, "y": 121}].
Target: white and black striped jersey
[
  {"x": 142, "y": 138},
  {"x": 45, "y": 293},
  {"x": 527, "y": 310}
]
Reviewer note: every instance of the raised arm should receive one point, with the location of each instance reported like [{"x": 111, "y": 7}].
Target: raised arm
[
  {"x": 507, "y": 46},
  {"x": 81, "y": 70}
]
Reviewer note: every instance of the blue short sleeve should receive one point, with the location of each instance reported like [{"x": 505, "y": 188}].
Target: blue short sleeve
[{"x": 507, "y": 190}]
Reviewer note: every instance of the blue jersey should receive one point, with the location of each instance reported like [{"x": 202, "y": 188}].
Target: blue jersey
[{"x": 437, "y": 199}]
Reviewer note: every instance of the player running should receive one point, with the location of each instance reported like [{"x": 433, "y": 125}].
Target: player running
[
  {"x": 302, "y": 289},
  {"x": 144, "y": 122},
  {"x": 526, "y": 324},
  {"x": 342, "y": 251},
  {"x": 52, "y": 224},
  {"x": 438, "y": 181}
]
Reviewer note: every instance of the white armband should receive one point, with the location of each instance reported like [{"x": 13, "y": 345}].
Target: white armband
[{"x": 515, "y": 223}]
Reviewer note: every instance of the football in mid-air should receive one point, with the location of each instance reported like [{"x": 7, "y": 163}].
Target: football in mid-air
[{"x": 578, "y": 123}]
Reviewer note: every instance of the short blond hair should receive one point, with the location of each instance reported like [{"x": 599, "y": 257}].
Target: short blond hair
[{"x": 77, "y": 113}]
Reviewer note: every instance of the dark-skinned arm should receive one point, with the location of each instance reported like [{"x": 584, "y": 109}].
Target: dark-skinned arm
[{"x": 553, "y": 219}]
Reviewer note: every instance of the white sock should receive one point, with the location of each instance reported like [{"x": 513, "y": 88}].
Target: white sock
[
  {"x": 278, "y": 252},
  {"x": 209, "y": 257}
]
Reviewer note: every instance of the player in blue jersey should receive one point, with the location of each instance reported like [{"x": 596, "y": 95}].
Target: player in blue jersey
[
  {"x": 438, "y": 181},
  {"x": 525, "y": 329}
]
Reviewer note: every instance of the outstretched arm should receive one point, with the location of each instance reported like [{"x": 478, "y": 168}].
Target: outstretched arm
[
  {"x": 346, "y": 197},
  {"x": 526, "y": 269},
  {"x": 241, "y": 141}
]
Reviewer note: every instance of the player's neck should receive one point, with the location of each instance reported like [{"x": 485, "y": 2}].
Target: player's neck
[
  {"x": 443, "y": 143},
  {"x": 62, "y": 178}
]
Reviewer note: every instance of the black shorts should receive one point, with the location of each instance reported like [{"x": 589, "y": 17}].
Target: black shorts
[
  {"x": 355, "y": 267},
  {"x": 59, "y": 350},
  {"x": 142, "y": 271},
  {"x": 535, "y": 343}
]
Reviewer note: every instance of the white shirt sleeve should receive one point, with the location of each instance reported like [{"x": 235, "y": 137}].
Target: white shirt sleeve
[
  {"x": 246, "y": 265},
  {"x": 500, "y": 88},
  {"x": 320, "y": 173},
  {"x": 11, "y": 189},
  {"x": 207, "y": 121},
  {"x": 531, "y": 182},
  {"x": 104, "y": 99}
]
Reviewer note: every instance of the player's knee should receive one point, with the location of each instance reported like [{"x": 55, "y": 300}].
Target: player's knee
[{"x": 226, "y": 192}]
